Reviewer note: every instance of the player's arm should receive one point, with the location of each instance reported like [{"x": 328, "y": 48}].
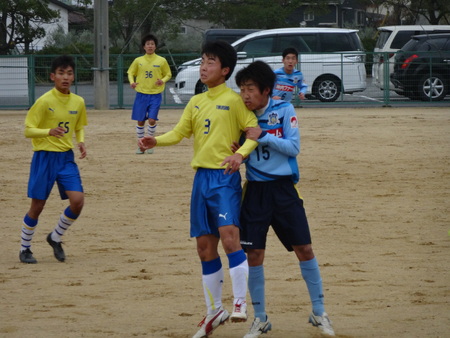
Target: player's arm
[
  {"x": 166, "y": 72},
  {"x": 303, "y": 87},
  {"x": 290, "y": 143},
  {"x": 33, "y": 121}
]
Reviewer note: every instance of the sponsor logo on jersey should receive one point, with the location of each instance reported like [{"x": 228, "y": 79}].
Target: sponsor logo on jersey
[
  {"x": 222, "y": 107},
  {"x": 278, "y": 132},
  {"x": 273, "y": 119},
  {"x": 156, "y": 66},
  {"x": 73, "y": 112},
  {"x": 51, "y": 109},
  {"x": 284, "y": 88},
  {"x": 294, "y": 122}
]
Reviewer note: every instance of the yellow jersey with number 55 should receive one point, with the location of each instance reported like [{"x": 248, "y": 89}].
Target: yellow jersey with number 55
[{"x": 55, "y": 109}]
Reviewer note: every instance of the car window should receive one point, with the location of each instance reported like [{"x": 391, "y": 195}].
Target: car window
[
  {"x": 401, "y": 38},
  {"x": 447, "y": 46},
  {"x": 261, "y": 45},
  {"x": 411, "y": 45},
  {"x": 382, "y": 38},
  {"x": 295, "y": 41},
  {"x": 437, "y": 44},
  {"x": 335, "y": 42}
]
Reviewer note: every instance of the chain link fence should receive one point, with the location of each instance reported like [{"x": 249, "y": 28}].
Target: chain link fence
[{"x": 23, "y": 79}]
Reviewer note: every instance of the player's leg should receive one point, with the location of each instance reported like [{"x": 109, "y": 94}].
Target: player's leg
[
  {"x": 139, "y": 114},
  {"x": 71, "y": 188},
  {"x": 154, "y": 103},
  {"x": 212, "y": 278},
  {"x": 29, "y": 225}
]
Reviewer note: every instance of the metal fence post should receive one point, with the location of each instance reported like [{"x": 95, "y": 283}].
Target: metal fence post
[
  {"x": 120, "y": 81},
  {"x": 31, "y": 79}
]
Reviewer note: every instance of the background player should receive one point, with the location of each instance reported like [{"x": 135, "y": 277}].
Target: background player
[
  {"x": 148, "y": 75},
  {"x": 51, "y": 123},
  {"x": 288, "y": 78},
  {"x": 271, "y": 196},
  {"x": 215, "y": 118}
]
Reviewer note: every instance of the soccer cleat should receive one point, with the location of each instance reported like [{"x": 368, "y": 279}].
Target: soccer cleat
[
  {"x": 239, "y": 313},
  {"x": 139, "y": 151},
  {"x": 57, "y": 248},
  {"x": 26, "y": 256},
  {"x": 258, "y": 328},
  {"x": 211, "y": 322},
  {"x": 150, "y": 151},
  {"x": 323, "y": 323}
]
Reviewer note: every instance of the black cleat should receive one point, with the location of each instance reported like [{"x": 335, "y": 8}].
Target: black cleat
[
  {"x": 26, "y": 256},
  {"x": 57, "y": 248}
]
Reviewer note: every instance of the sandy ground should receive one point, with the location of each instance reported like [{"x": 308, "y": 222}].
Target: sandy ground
[{"x": 376, "y": 183}]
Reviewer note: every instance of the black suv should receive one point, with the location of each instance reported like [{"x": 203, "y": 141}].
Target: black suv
[{"x": 422, "y": 68}]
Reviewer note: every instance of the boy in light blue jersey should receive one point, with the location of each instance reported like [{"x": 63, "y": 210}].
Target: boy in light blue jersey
[
  {"x": 271, "y": 197},
  {"x": 215, "y": 118},
  {"x": 148, "y": 75},
  {"x": 51, "y": 123},
  {"x": 289, "y": 78}
]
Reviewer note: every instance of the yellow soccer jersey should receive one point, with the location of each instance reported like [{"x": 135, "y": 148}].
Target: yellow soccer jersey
[
  {"x": 146, "y": 70},
  {"x": 216, "y": 118},
  {"x": 55, "y": 109}
]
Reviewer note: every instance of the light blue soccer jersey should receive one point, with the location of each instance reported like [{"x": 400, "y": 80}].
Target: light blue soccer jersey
[
  {"x": 286, "y": 83},
  {"x": 279, "y": 144}
]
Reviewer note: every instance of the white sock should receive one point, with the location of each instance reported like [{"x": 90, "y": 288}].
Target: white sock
[
  {"x": 212, "y": 287},
  {"x": 140, "y": 131},
  {"x": 239, "y": 279},
  {"x": 151, "y": 130}
]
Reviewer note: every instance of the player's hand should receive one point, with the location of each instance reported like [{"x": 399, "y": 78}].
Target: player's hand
[
  {"x": 82, "y": 148},
  {"x": 57, "y": 132},
  {"x": 301, "y": 96},
  {"x": 159, "y": 82},
  {"x": 276, "y": 97},
  {"x": 146, "y": 142},
  {"x": 253, "y": 133},
  {"x": 133, "y": 85},
  {"x": 234, "y": 162},
  {"x": 235, "y": 146}
]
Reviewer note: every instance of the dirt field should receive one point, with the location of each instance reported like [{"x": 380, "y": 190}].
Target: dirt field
[{"x": 376, "y": 183}]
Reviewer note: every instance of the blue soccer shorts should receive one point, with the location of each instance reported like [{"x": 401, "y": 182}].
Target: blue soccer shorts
[
  {"x": 215, "y": 201},
  {"x": 275, "y": 203},
  {"x": 48, "y": 167},
  {"x": 146, "y": 106}
]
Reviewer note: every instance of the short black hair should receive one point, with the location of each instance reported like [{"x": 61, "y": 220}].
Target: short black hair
[
  {"x": 258, "y": 72},
  {"x": 224, "y": 52},
  {"x": 290, "y": 50},
  {"x": 63, "y": 62},
  {"x": 149, "y": 37}
]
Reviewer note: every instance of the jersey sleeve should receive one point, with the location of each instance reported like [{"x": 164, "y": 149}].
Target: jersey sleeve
[
  {"x": 166, "y": 72},
  {"x": 132, "y": 71},
  {"x": 246, "y": 119},
  {"x": 289, "y": 144},
  {"x": 183, "y": 129},
  {"x": 33, "y": 119}
]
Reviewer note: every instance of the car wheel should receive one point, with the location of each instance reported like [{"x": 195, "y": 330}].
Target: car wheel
[
  {"x": 200, "y": 87},
  {"x": 432, "y": 87},
  {"x": 327, "y": 88}
]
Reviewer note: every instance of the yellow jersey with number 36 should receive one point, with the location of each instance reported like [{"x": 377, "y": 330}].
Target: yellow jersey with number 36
[{"x": 55, "y": 109}]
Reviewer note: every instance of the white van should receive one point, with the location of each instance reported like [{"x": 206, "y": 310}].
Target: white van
[
  {"x": 331, "y": 60},
  {"x": 390, "y": 40}
]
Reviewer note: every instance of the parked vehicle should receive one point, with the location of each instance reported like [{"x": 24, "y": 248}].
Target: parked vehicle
[
  {"x": 422, "y": 67},
  {"x": 331, "y": 60},
  {"x": 390, "y": 40},
  {"x": 228, "y": 35}
]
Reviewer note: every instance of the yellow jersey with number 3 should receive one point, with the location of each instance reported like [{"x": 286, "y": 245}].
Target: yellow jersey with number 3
[
  {"x": 216, "y": 118},
  {"x": 55, "y": 109}
]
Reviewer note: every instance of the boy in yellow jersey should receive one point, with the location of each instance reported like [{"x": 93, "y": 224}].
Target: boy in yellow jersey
[
  {"x": 148, "y": 75},
  {"x": 51, "y": 123},
  {"x": 216, "y": 118}
]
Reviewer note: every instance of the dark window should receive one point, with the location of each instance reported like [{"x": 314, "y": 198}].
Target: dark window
[
  {"x": 257, "y": 46},
  {"x": 336, "y": 42},
  {"x": 382, "y": 38},
  {"x": 295, "y": 41}
]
